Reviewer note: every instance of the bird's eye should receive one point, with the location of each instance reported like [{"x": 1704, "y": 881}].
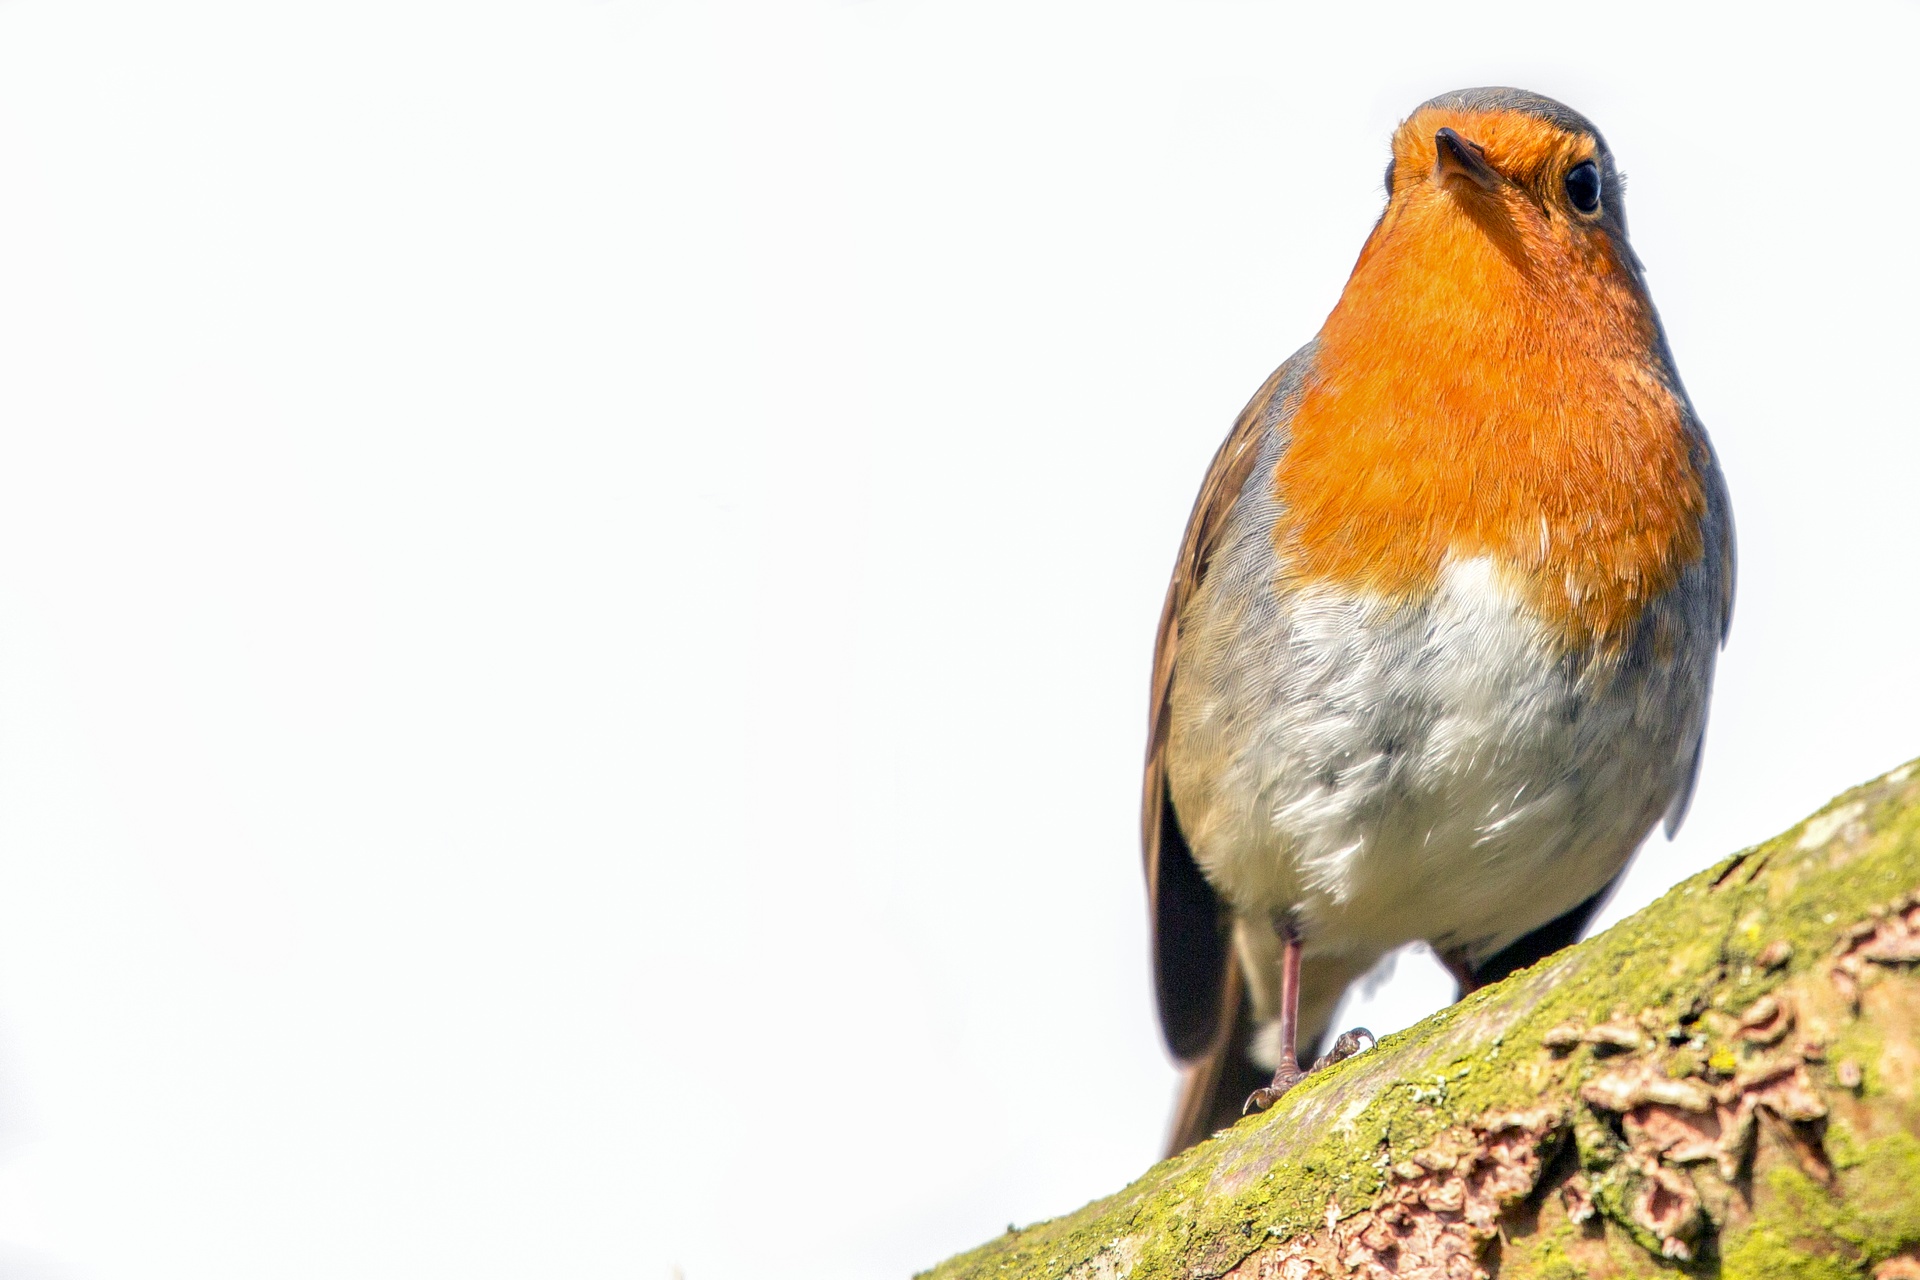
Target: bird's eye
[
  {"x": 1389, "y": 179},
  {"x": 1583, "y": 186}
]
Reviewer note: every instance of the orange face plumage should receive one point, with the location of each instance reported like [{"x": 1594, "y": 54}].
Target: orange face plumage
[{"x": 1491, "y": 384}]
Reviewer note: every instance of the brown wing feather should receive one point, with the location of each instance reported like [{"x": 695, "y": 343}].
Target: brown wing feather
[{"x": 1191, "y": 956}]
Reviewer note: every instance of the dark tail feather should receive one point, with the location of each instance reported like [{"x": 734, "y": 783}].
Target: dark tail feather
[{"x": 1217, "y": 1084}]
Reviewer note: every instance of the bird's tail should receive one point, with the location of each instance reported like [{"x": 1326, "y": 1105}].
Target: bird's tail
[{"x": 1216, "y": 1084}]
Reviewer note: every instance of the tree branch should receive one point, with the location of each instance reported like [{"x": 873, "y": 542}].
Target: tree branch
[{"x": 1724, "y": 1084}]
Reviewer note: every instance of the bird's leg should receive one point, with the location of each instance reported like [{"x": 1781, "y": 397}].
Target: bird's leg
[{"x": 1288, "y": 1073}]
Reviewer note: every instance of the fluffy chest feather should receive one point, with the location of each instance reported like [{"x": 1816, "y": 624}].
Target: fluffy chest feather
[
  {"x": 1389, "y": 768},
  {"x": 1504, "y": 396}
]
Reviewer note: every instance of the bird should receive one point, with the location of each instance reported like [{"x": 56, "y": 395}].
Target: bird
[{"x": 1439, "y": 643}]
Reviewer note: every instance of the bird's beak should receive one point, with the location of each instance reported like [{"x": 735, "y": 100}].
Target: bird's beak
[{"x": 1455, "y": 157}]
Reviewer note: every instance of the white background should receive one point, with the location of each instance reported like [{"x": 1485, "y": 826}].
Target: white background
[{"x": 576, "y": 580}]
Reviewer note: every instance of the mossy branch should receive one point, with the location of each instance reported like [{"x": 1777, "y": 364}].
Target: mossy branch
[{"x": 1723, "y": 1085}]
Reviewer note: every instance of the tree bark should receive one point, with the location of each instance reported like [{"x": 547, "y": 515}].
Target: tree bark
[{"x": 1723, "y": 1085}]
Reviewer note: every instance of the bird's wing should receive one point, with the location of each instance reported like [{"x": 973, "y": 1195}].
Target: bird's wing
[
  {"x": 1723, "y": 558},
  {"x": 1191, "y": 955}
]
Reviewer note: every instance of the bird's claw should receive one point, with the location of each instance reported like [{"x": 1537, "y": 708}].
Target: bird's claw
[
  {"x": 1283, "y": 1079},
  {"x": 1348, "y": 1044}
]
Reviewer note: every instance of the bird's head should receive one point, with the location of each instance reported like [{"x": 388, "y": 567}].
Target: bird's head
[
  {"x": 1481, "y": 152},
  {"x": 1504, "y": 225},
  {"x": 1506, "y": 171}
]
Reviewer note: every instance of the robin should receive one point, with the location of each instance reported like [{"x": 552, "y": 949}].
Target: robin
[{"x": 1438, "y": 647}]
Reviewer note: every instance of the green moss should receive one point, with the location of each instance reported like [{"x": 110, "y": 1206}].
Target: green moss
[
  {"x": 1696, "y": 949},
  {"x": 1546, "y": 1260},
  {"x": 1804, "y": 1231},
  {"x": 1767, "y": 1254}
]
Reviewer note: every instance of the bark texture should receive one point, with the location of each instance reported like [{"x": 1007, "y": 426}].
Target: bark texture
[{"x": 1727, "y": 1084}]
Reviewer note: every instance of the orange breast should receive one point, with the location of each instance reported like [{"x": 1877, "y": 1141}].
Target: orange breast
[{"x": 1486, "y": 386}]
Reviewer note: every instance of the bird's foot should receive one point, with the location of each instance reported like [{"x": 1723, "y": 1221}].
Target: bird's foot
[
  {"x": 1289, "y": 1074},
  {"x": 1345, "y": 1046},
  {"x": 1284, "y": 1079}
]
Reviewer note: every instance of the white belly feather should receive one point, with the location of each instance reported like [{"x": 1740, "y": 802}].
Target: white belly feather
[{"x": 1390, "y": 772}]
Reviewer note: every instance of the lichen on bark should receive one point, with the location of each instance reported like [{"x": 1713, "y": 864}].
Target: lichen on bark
[{"x": 1724, "y": 1084}]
